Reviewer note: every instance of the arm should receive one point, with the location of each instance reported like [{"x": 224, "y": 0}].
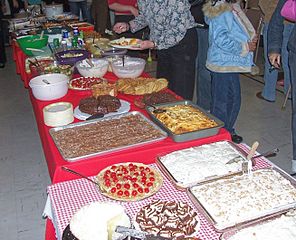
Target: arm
[{"x": 117, "y": 7}]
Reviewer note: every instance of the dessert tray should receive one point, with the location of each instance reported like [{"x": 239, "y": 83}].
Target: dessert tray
[
  {"x": 184, "y": 121},
  {"x": 238, "y": 200},
  {"x": 191, "y": 166},
  {"x": 141, "y": 85},
  {"x": 129, "y": 181},
  {"x": 125, "y": 107},
  {"x": 169, "y": 219},
  {"x": 85, "y": 83},
  {"x": 279, "y": 227},
  {"x": 101, "y": 136},
  {"x": 127, "y": 43}
]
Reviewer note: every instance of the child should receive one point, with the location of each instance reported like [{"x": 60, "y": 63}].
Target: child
[{"x": 232, "y": 38}]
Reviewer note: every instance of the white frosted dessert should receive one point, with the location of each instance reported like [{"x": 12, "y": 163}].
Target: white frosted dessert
[
  {"x": 234, "y": 200},
  {"x": 283, "y": 227},
  {"x": 98, "y": 221},
  {"x": 196, "y": 164}
]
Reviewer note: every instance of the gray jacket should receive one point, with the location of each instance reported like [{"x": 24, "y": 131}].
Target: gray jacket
[{"x": 275, "y": 30}]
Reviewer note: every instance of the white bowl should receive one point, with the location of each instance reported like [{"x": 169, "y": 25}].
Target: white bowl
[
  {"x": 132, "y": 67},
  {"x": 98, "y": 70},
  {"x": 57, "y": 87}
]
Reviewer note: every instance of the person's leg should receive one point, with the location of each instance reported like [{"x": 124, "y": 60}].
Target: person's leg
[
  {"x": 203, "y": 74},
  {"x": 83, "y": 7},
  {"x": 89, "y": 17},
  {"x": 234, "y": 100},
  {"x": 270, "y": 77},
  {"x": 2, "y": 47},
  {"x": 285, "y": 55},
  {"x": 74, "y": 8},
  {"x": 182, "y": 59}
]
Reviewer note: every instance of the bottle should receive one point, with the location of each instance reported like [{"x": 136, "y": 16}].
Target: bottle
[
  {"x": 75, "y": 32},
  {"x": 80, "y": 39},
  {"x": 64, "y": 45}
]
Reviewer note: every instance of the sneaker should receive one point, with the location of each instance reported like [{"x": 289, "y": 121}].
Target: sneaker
[
  {"x": 293, "y": 170},
  {"x": 236, "y": 138},
  {"x": 259, "y": 95}
]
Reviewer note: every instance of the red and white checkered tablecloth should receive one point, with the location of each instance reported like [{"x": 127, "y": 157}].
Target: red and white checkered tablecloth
[{"x": 68, "y": 197}]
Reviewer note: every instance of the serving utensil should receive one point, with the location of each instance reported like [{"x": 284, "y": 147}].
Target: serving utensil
[
  {"x": 247, "y": 165},
  {"x": 130, "y": 232},
  {"x": 89, "y": 62},
  {"x": 80, "y": 175},
  {"x": 95, "y": 116},
  {"x": 45, "y": 81},
  {"x": 35, "y": 50},
  {"x": 156, "y": 109}
]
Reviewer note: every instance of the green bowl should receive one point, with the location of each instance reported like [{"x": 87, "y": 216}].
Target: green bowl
[{"x": 32, "y": 41}]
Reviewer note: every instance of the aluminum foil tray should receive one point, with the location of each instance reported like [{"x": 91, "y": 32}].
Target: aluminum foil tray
[
  {"x": 75, "y": 145},
  {"x": 237, "y": 213},
  {"x": 188, "y": 135}
]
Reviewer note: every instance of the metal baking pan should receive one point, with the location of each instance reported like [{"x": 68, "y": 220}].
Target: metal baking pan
[
  {"x": 265, "y": 224},
  {"x": 247, "y": 220},
  {"x": 72, "y": 159},
  {"x": 196, "y": 164},
  {"x": 189, "y": 135}
]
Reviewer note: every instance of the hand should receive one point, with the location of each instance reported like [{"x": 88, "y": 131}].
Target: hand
[
  {"x": 120, "y": 27},
  {"x": 252, "y": 45},
  {"x": 146, "y": 44},
  {"x": 275, "y": 59},
  {"x": 134, "y": 11}
]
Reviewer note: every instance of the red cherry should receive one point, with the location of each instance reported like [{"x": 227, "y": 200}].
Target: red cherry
[
  {"x": 151, "y": 173},
  {"x": 140, "y": 190},
  {"x": 147, "y": 169},
  {"x": 120, "y": 193},
  {"x": 131, "y": 165},
  {"x": 108, "y": 172},
  {"x": 113, "y": 174},
  {"x": 113, "y": 190},
  {"x": 126, "y": 193},
  {"x": 143, "y": 174},
  {"x": 113, "y": 167},
  {"x": 118, "y": 185},
  {"x": 134, "y": 193},
  {"x": 134, "y": 179},
  {"x": 135, "y": 185},
  {"x": 115, "y": 179},
  {"x": 127, "y": 186},
  {"x": 149, "y": 184},
  {"x": 146, "y": 190},
  {"x": 142, "y": 168},
  {"x": 136, "y": 174},
  {"x": 152, "y": 179}
]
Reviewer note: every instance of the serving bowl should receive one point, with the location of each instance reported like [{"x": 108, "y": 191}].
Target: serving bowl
[
  {"x": 99, "y": 68},
  {"x": 49, "y": 86},
  {"x": 70, "y": 57},
  {"x": 33, "y": 42},
  {"x": 128, "y": 67}
]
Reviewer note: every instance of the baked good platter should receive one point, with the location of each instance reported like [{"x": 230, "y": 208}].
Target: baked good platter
[
  {"x": 214, "y": 123},
  {"x": 195, "y": 165},
  {"x": 91, "y": 138},
  {"x": 126, "y": 43},
  {"x": 244, "y": 200}
]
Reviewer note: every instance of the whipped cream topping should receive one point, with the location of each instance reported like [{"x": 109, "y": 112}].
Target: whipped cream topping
[
  {"x": 196, "y": 164},
  {"x": 230, "y": 201},
  {"x": 283, "y": 227}
]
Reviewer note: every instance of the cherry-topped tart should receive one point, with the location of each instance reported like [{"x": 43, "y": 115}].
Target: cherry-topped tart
[{"x": 129, "y": 181}]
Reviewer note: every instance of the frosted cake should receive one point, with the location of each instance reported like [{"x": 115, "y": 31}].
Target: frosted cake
[
  {"x": 234, "y": 200},
  {"x": 196, "y": 164}
]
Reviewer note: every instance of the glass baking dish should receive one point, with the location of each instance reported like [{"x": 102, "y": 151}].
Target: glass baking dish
[{"x": 238, "y": 200}]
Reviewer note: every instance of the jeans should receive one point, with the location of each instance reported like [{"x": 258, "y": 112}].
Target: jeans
[
  {"x": 177, "y": 65},
  {"x": 270, "y": 78},
  {"x": 75, "y": 8},
  {"x": 226, "y": 98},
  {"x": 203, "y": 75},
  {"x": 292, "y": 64}
]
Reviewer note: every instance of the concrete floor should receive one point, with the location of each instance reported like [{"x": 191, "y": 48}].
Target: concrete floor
[{"x": 23, "y": 170}]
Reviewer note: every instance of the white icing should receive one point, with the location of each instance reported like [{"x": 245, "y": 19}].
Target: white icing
[
  {"x": 283, "y": 227},
  {"x": 195, "y": 164},
  {"x": 98, "y": 221},
  {"x": 240, "y": 198}
]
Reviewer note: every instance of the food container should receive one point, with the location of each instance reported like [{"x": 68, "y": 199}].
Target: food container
[
  {"x": 113, "y": 58},
  {"x": 190, "y": 166},
  {"x": 53, "y": 10},
  {"x": 33, "y": 42},
  {"x": 70, "y": 57},
  {"x": 58, "y": 114},
  {"x": 99, "y": 68},
  {"x": 188, "y": 135},
  {"x": 83, "y": 26},
  {"x": 240, "y": 200},
  {"x": 130, "y": 68},
  {"x": 57, "y": 87},
  {"x": 86, "y": 153}
]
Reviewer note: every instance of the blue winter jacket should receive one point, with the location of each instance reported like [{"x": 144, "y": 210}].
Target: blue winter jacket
[{"x": 229, "y": 33}]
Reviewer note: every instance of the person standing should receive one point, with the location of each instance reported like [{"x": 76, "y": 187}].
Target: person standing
[
  {"x": 270, "y": 74},
  {"x": 100, "y": 15},
  {"x": 203, "y": 75},
  {"x": 2, "y": 46},
  {"x": 173, "y": 34},
  {"x": 79, "y": 5},
  {"x": 232, "y": 39}
]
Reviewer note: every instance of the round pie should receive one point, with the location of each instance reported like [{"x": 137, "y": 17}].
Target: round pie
[
  {"x": 85, "y": 83},
  {"x": 129, "y": 181}
]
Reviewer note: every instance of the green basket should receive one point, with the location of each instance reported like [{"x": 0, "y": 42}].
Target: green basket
[{"x": 32, "y": 41}]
